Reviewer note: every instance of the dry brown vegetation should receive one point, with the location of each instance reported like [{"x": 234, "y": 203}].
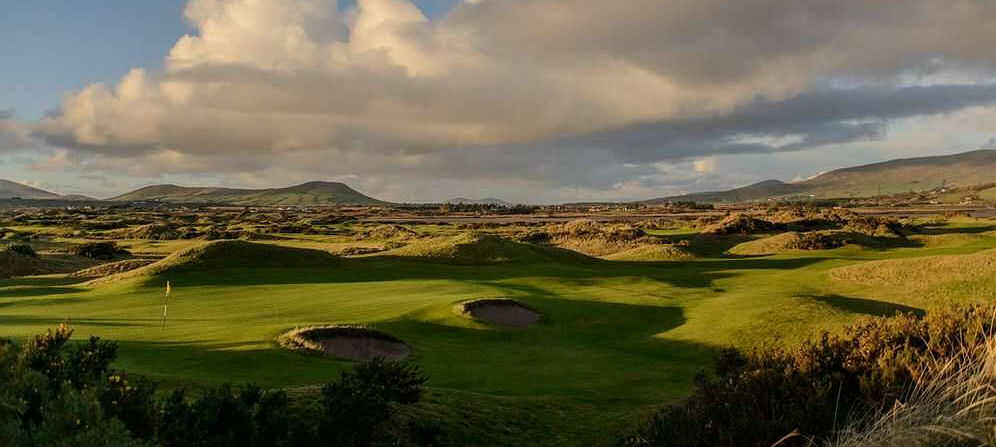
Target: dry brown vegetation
[
  {"x": 591, "y": 238},
  {"x": 112, "y": 268}
]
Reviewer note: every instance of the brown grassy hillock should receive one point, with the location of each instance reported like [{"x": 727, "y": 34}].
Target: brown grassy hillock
[
  {"x": 230, "y": 254},
  {"x": 472, "y": 248},
  {"x": 739, "y": 224},
  {"x": 814, "y": 240},
  {"x": 591, "y": 238},
  {"x": 112, "y": 268}
]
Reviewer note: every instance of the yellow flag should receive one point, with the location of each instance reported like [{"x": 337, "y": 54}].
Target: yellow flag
[{"x": 168, "y": 288}]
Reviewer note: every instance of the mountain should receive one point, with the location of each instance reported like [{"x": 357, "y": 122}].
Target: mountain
[
  {"x": 889, "y": 177},
  {"x": 757, "y": 191},
  {"x": 484, "y": 201},
  {"x": 10, "y": 190},
  {"x": 305, "y": 194}
]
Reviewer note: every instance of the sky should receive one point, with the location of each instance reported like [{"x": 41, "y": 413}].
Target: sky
[{"x": 534, "y": 101}]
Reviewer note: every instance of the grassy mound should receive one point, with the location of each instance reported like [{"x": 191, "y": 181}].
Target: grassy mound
[
  {"x": 741, "y": 224},
  {"x": 112, "y": 268},
  {"x": 218, "y": 255},
  {"x": 387, "y": 231},
  {"x": 156, "y": 232},
  {"x": 655, "y": 252},
  {"x": 345, "y": 342},
  {"x": 471, "y": 248},
  {"x": 794, "y": 241},
  {"x": 590, "y": 238},
  {"x": 922, "y": 271}
]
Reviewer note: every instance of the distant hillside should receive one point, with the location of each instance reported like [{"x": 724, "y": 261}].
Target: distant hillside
[
  {"x": 306, "y": 194},
  {"x": 484, "y": 201},
  {"x": 890, "y": 177},
  {"x": 757, "y": 191},
  {"x": 10, "y": 190}
]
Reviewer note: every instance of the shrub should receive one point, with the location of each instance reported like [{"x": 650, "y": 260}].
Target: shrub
[
  {"x": 758, "y": 398},
  {"x": 739, "y": 224},
  {"x": 360, "y": 401},
  {"x": 98, "y": 250},
  {"x": 225, "y": 416},
  {"x": 23, "y": 249},
  {"x": 49, "y": 399},
  {"x": 54, "y": 395}
]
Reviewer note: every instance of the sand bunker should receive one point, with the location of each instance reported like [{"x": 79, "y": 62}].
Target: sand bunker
[
  {"x": 346, "y": 342},
  {"x": 501, "y": 312}
]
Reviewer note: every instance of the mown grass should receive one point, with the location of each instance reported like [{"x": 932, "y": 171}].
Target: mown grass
[{"x": 617, "y": 338}]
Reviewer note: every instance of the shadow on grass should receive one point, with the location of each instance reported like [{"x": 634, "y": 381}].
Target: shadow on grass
[
  {"x": 24, "y": 292},
  {"x": 50, "y": 322},
  {"x": 41, "y": 302},
  {"x": 40, "y": 281},
  {"x": 864, "y": 306},
  {"x": 683, "y": 274},
  {"x": 943, "y": 229}
]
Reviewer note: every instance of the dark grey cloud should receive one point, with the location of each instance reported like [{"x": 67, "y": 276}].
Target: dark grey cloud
[{"x": 816, "y": 118}]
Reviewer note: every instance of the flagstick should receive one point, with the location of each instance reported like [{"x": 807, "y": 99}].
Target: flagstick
[{"x": 165, "y": 301}]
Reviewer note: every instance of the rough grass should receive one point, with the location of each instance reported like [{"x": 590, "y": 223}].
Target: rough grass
[
  {"x": 592, "y": 238},
  {"x": 468, "y": 248},
  {"x": 953, "y": 403},
  {"x": 814, "y": 240},
  {"x": 922, "y": 271},
  {"x": 112, "y": 268},
  {"x": 654, "y": 252},
  {"x": 157, "y": 231},
  {"x": 387, "y": 232},
  {"x": 740, "y": 224}
]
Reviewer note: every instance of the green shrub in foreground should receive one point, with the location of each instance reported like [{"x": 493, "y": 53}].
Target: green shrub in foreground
[{"x": 52, "y": 394}]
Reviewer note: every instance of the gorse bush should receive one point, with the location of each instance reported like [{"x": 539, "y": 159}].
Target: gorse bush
[
  {"x": 952, "y": 404},
  {"x": 98, "y": 250},
  {"x": 49, "y": 398},
  {"x": 763, "y": 397},
  {"x": 23, "y": 249},
  {"x": 54, "y": 394},
  {"x": 360, "y": 401}
]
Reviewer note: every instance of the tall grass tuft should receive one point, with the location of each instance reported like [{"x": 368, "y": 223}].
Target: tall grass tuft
[{"x": 953, "y": 403}]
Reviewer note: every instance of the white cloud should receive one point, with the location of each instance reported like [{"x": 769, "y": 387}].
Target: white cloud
[{"x": 292, "y": 89}]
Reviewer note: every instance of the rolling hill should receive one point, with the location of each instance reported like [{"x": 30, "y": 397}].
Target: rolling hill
[
  {"x": 10, "y": 190},
  {"x": 889, "y": 177},
  {"x": 305, "y": 194}
]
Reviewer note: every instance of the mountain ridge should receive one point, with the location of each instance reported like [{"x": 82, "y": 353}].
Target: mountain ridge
[
  {"x": 314, "y": 193},
  {"x": 886, "y": 177}
]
